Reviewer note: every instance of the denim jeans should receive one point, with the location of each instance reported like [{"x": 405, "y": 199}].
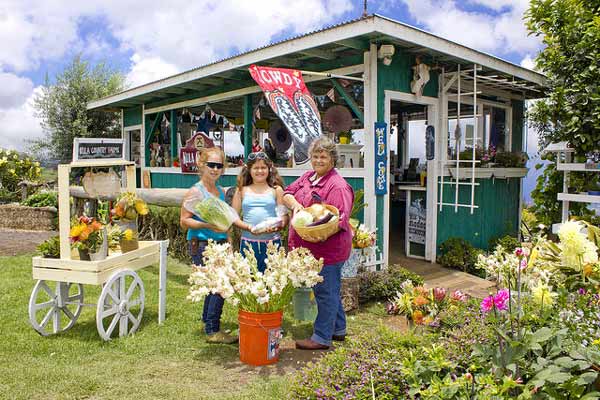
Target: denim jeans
[
  {"x": 213, "y": 303},
  {"x": 260, "y": 251},
  {"x": 331, "y": 319}
]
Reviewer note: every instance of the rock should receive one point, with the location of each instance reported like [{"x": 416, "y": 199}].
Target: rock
[{"x": 350, "y": 290}]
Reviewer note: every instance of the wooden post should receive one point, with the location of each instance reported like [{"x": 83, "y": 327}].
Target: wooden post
[
  {"x": 174, "y": 149},
  {"x": 64, "y": 211},
  {"x": 247, "y": 124}
]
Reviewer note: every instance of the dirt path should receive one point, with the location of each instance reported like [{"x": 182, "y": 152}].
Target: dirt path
[{"x": 15, "y": 242}]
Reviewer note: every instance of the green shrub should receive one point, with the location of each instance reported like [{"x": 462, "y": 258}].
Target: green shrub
[
  {"x": 509, "y": 243},
  {"x": 383, "y": 285},
  {"x": 162, "y": 223},
  {"x": 15, "y": 168},
  {"x": 50, "y": 248},
  {"x": 42, "y": 199},
  {"x": 459, "y": 254},
  {"x": 372, "y": 360}
]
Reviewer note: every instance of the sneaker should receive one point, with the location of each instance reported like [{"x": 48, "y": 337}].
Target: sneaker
[{"x": 221, "y": 337}]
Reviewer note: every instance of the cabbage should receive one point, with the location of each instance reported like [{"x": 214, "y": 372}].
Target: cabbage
[
  {"x": 216, "y": 212},
  {"x": 302, "y": 218}
]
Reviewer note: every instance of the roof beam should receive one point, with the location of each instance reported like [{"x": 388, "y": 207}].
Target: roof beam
[
  {"x": 326, "y": 55},
  {"x": 354, "y": 43}
]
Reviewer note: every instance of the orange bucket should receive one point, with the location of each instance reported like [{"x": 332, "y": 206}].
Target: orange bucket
[{"x": 260, "y": 334}]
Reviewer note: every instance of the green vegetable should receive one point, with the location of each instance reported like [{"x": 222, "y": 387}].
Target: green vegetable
[{"x": 216, "y": 212}]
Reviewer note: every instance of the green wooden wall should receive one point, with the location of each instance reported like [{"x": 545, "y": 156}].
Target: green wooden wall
[
  {"x": 132, "y": 116},
  {"x": 163, "y": 180},
  {"x": 396, "y": 76},
  {"x": 497, "y": 215}
]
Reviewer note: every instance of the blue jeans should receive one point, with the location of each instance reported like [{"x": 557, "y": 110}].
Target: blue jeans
[
  {"x": 331, "y": 319},
  {"x": 213, "y": 303},
  {"x": 260, "y": 251}
]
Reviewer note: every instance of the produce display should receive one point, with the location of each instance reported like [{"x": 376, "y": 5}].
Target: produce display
[{"x": 315, "y": 215}]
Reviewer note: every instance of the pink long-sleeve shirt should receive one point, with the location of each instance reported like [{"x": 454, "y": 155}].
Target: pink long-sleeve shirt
[{"x": 333, "y": 189}]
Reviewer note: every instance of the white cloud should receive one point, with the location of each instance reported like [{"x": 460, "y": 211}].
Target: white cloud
[
  {"x": 14, "y": 90},
  {"x": 144, "y": 70},
  {"x": 19, "y": 123},
  {"x": 502, "y": 32},
  {"x": 528, "y": 62}
]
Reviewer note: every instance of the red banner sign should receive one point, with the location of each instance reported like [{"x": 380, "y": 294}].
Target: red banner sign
[{"x": 292, "y": 102}]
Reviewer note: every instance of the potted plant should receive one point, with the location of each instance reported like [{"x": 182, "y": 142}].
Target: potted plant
[
  {"x": 260, "y": 297},
  {"x": 89, "y": 237},
  {"x": 126, "y": 210},
  {"x": 50, "y": 248},
  {"x": 594, "y": 187},
  {"x": 345, "y": 137}
]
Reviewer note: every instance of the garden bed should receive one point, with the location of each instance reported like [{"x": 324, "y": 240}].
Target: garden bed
[{"x": 15, "y": 216}]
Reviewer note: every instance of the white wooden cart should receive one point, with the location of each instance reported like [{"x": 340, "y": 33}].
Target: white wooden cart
[{"x": 58, "y": 297}]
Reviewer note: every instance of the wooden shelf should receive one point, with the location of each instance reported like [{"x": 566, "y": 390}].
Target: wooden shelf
[
  {"x": 579, "y": 197},
  {"x": 575, "y": 167}
]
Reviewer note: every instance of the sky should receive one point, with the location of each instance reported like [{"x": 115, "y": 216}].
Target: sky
[{"x": 148, "y": 40}]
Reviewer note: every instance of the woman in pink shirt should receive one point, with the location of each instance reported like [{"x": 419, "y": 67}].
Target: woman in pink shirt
[{"x": 324, "y": 185}]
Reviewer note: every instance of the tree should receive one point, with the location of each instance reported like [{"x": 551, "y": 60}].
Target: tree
[
  {"x": 62, "y": 108},
  {"x": 570, "y": 30}
]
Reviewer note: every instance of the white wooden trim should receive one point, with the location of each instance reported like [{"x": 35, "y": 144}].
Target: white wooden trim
[
  {"x": 294, "y": 172},
  {"x": 132, "y": 128},
  {"x": 347, "y": 31},
  {"x": 354, "y": 69},
  {"x": 431, "y": 202},
  {"x": 486, "y": 173},
  {"x": 574, "y": 167},
  {"x": 64, "y": 211},
  {"x": 370, "y": 102},
  {"x": 579, "y": 197},
  {"x": 143, "y": 146}
]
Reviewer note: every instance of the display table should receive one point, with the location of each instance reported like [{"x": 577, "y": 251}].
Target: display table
[{"x": 348, "y": 155}]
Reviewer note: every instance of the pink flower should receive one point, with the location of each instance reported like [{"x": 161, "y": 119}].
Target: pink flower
[
  {"x": 439, "y": 294},
  {"x": 522, "y": 252},
  {"x": 457, "y": 295},
  {"x": 487, "y": 304},
  {"x": 523, "y": 263},
  {"x": 501, "y": 300}
]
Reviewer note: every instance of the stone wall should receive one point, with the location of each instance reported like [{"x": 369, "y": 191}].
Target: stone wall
[{"x": 15, "y": 216}]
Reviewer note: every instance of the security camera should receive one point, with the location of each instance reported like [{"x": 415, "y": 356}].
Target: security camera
[{"x": 386, "y": 51}]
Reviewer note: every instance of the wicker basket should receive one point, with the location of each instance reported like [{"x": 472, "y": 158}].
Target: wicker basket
[{"x": 320, "y": 233}]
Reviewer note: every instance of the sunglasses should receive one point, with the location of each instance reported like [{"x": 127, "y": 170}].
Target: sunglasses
[
  {"x": 259, "y": 155},
  {"x": 216, "y": 165}
]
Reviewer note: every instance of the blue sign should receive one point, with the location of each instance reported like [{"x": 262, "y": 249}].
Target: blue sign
[{"x": 381, "y": 166}]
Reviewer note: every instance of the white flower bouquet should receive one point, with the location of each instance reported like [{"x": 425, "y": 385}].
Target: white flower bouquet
[{"x": 237, "y": 278}]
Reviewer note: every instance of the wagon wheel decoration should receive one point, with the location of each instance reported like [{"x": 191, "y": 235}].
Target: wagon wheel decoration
[
  {"x": 59, "y": 302},
  {"x": 121, "y": 304}
]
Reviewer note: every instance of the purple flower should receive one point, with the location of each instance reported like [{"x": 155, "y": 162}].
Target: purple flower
[{"x": 581, "y": 291}]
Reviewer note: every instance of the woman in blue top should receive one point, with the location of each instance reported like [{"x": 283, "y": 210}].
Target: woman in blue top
[
  {"x": 210, "y": 168},
  {"x": 259, "y": 192}
]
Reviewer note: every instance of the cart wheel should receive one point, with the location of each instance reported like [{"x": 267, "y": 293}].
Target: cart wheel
[
  {"x": 49, "y": 301},
  {"x": 121, "y": 303}
]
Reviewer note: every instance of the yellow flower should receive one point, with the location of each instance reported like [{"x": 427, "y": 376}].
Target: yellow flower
[
  {"x": 76, "y": 230},
  {"x": 543, "y": 295},
  {"x": 128, "y": 234},
  {"x": 141, "y": 207}
]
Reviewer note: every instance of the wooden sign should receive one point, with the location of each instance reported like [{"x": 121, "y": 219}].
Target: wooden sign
[
  {"x": 98, "y": 149},
  {"x": 381, "y": 166},
  {"x": 189, "y": 153}
]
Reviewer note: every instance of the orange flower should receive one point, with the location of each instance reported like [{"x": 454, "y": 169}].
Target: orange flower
[
  {"x": 85, "y": 234},
  {"x": 96, "y": 226},
  {"x": 417, "y": 317},
  {"x": 588, "y": 269},
  {"x": 119, "y": 210},
  {"x": 420, "y": 301}
]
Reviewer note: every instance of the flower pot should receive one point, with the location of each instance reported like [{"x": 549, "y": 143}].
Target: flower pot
[
  {"x": 99, "y": 255},
  {"x": 128, "y": 245},
  {"x": 260, "y": 334},
  {"x": 305, "y": 304},
  {"x": 350, "y": 267},
  {"x": 84, "y": 254}
]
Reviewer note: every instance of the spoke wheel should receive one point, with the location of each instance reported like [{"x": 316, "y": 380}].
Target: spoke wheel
[
  {"x": 121, "y": 304},
  {"x": 54, "y": 306}
]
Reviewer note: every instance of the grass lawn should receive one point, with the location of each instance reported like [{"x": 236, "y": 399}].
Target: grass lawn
[{"x": 171, "y": 361}]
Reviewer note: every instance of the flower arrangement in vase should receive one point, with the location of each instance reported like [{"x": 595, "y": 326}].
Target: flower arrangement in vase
[
  {"x": 126, "y": 210},
  {"x": 89, "y": 237}
]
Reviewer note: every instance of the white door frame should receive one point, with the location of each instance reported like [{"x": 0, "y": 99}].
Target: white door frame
[{"x": 432, "y": 104}]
